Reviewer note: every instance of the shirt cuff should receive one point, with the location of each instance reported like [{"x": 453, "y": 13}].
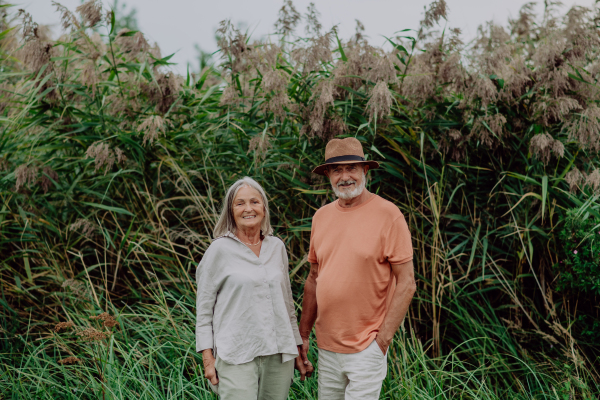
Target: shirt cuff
[
  {"x": 299, "y": 341},
  {"x": 204, "y": 340},
  {"x": 402, "y": 260}
]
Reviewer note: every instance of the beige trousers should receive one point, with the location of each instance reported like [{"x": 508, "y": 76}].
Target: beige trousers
[
  {"x": 355, "y": 376},
  {"x": 264, "y": 378}
]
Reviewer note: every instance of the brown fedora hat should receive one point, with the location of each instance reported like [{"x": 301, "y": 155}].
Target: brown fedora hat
[{"x": 344, "y": 151}]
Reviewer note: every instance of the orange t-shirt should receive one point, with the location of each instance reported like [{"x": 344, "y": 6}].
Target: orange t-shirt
[{"x": 354, "y": 248}]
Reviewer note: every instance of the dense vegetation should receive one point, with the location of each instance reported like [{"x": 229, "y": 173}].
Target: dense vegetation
[{"x": 113, "y": 169}]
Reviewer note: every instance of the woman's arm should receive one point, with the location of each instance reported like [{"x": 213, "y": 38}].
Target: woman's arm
[
  {"x": 206, "y": 296},
  {"x": 288, "y": 298},
  {"x": 304, "y": 369}
]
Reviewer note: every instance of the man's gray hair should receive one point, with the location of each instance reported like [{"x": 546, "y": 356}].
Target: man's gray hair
[{"x": 226, "y": 220}]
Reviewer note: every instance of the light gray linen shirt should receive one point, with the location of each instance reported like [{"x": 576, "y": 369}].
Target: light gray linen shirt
[{"x": 244, "y": 305}]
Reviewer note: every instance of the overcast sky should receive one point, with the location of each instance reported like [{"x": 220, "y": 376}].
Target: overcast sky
[{"x": 176, "y": 25}]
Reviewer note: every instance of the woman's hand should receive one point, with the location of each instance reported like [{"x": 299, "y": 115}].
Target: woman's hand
[
  {"x": 210, "y": 372},
  {"x": 303, "y": 366}
]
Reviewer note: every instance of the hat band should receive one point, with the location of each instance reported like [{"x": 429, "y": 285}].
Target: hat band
[{"x": 344, "y": 158}]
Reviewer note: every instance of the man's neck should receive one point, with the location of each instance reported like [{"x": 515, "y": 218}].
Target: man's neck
[{"x": 356, "y": 201}]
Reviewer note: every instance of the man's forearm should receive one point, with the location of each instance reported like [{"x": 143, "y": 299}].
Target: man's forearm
[
  {"x": 403, "y": 294},
  {"x": 309, "y": 303}
]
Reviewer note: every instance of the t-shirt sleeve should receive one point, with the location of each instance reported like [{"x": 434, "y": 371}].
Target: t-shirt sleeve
[
  {"x": 312, "y": 254},
  {"x": 398, "y": 245}
]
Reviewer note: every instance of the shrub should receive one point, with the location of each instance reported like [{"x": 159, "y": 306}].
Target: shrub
[
  {"x": 578, "y": 271},
  {"x": 115, "y": 168}
]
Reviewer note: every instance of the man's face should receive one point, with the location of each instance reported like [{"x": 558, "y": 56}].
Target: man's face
[{"x": 347, "y": 180}]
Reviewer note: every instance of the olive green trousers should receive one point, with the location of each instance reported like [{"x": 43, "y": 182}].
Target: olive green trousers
[{"x": 264, "y": 378}]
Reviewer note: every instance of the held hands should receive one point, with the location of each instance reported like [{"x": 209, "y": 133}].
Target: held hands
[
  {"x": 305, "y": 370},
  {"x": 302, "y": 364},
  {"x": 210, "y": 372}
]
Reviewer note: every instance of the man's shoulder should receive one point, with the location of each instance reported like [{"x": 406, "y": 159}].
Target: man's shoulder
[
  {"x": 389, "y": 209},
  {"x": 325, "y": 210}
]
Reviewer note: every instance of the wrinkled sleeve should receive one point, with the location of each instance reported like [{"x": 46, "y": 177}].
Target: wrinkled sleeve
[
  {"x": 397, "y": 242},
  {"x": 312, "y": 252},
  {"x": 289, "y": 299},
  {"x": 206, "y": 297}
]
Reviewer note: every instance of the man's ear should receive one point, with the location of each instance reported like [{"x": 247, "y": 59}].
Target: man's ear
[
  {"x": 326, "y": 172},
  {"x": 366, "y": 168}
]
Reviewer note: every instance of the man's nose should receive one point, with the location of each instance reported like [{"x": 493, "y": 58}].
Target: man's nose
[{"x": 346, "y": 176}]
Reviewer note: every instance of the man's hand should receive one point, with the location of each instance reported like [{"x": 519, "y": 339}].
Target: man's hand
[
  {"x": 304, "y": 350},
  {"x": 305, "y": 370},
  {"x": 309, "y": 315},
  {"x": 383, "y": 345},
  {"x": 303, "y": 365},
  {"x": 210, "y": 372},
  {"x": 403, "y": 294}
]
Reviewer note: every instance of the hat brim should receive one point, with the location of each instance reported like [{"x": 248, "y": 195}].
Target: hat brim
[{"x": 320, "y": 170}]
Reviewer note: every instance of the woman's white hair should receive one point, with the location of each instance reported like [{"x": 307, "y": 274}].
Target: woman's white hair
[{"x": 226, "y": 222}]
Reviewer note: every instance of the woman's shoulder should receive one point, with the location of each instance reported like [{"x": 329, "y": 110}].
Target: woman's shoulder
[
  {"x": 218, "y": 245},
  {"x": 277, "y": 241}
]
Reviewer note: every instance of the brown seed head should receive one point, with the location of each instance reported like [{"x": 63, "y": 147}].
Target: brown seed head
[
  {"x": 288, "y": 18},
  {"x": 359, "y": 32},
  {"x": 436, "y": 11},
  {"x": 30, "y": 28},
  {"x": 67, "y": 19},
  {"x": 69, "y": 360},
  {"x": 313, "y": 26},
  {"x": 593, "y": 180},
  {"x": 131, "y": 45},
  {"x": 121, "y": 157},
  {"x": 102, "y": 155},
  {"x": 91, "y": 12},
  {"x": 489, "y": 129},
  {"x": 107, "y": 320},
  {"x": 543, "y": 144},
  {"x": 49, "y": 176},
  {"x": 380, "y": 102},
  {"x": 93, "y": 335},
  {"x": 26, "y": 174},
  {"x": 152, "y": 127},
  {"x": 260, "y": 145},
  {"x": 586, "y": 128},
  {"x": 522, "y": 25},
  {"x": 63, "y": 325},
  {"x": 87, "y": 229},
  {"x": 36, "y": 54},
  {"x": 323, "y": 97},
  {"x": 574, "y": 178}
]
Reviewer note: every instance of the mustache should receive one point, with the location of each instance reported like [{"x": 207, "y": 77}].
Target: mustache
[{"x": 348, "y": 182}]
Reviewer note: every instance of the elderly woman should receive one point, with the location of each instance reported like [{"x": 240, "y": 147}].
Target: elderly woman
[{"x": 246, "y": 326}]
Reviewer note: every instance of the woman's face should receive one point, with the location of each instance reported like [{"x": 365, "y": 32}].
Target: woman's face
[{"x": 248, "y": 208}]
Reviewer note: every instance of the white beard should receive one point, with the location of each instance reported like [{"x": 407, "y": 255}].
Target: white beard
[{"x": 347, "y": 195}]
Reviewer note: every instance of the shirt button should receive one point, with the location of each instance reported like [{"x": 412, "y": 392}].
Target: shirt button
[
  {"x": 265, "y": 281},
  {"x": 268, "y": 297}
]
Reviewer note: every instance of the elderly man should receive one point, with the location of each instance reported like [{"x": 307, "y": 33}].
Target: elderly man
[{"x": 361, "y": 278}]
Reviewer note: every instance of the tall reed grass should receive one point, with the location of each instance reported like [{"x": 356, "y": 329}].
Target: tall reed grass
[{"x": 114, "y": 168}]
